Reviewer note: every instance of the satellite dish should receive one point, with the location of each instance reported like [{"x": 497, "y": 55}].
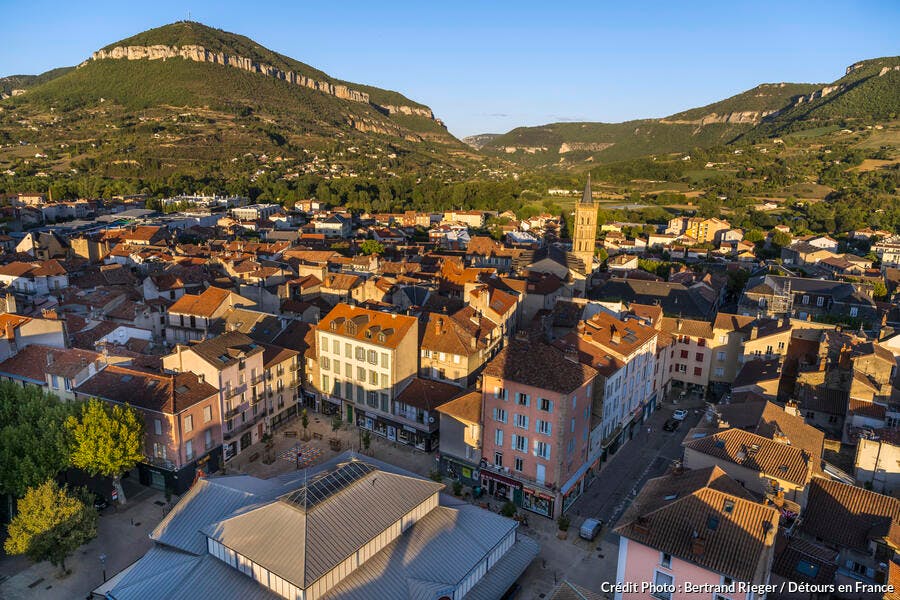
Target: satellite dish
[{"x": 431, "y": 419}]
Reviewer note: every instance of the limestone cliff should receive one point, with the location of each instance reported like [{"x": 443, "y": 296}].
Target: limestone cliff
[{"x": 200, "y": 54}]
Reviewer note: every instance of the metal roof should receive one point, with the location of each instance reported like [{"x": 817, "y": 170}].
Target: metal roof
[{"x": 329, "y": 484}]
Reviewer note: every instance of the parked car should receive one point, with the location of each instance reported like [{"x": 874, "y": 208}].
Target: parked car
[
  {"x": 671, "y": 424},
  {"x": 590, "y": 528},
  {"x": 680, "y": 414}
]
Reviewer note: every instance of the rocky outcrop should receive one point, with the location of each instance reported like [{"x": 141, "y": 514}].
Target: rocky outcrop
[
  {"x": 819, "y": 93},
  {"x": 749, "y": 117},
  {"x": 200, "y": 54},
  {"x": 884, "y": 70},
  {"x": 567, "y": 147}
]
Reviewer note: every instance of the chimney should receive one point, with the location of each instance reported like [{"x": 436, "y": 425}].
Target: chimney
[
  {"x": 678, "y": 323},
  {"x": 698, "y": 545},
  {"x": 83, "y": 362},
  {"x": 754, "y": 331},
  {"x": 614, "y": 334},
  {"x": 438, "y": 325},
  {"x": 49, "y": 358}
]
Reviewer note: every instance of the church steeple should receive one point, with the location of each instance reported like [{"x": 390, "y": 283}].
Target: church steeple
[
  {"x": 584, "y": 240},
  {"x": 587, "y": 197}
]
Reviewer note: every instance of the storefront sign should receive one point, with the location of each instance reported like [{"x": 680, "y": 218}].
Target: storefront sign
[
  {"x": 501, "y": 479},
  {"x": 410, "y": 429}
]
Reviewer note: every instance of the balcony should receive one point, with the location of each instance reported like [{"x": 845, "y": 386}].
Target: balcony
[{"x": 162, "y": 462}]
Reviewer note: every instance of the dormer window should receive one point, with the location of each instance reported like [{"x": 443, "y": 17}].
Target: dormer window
[
  {"x": 382, "y": 338},
  {"x": 334, "y": 325}
]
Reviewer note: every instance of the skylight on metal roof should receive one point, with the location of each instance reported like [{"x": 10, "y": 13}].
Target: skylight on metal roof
[{"x": 328, "y": 485}]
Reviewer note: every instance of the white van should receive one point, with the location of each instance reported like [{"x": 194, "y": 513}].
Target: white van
[{"x": 590, "y": 528}]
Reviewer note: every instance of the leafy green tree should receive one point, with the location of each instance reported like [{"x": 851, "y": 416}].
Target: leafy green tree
[
  {"x": 371, "y": 247},
  {"x": 879, "y": 289},
  {"x": 51, "y": 524},
  {"x": 106, "y": 440},
  {"x": 782, "y": 239},
  {"x": 32, "y": 438},
  {"x": 754, "y": 236}
]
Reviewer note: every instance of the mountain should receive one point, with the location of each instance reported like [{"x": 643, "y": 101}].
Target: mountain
[
  {"x": 869, "y": 91},
  {"x": 14, "y": 85},
  {"x": 480, "y": 140},
  {"x": 187, "y": 98}
]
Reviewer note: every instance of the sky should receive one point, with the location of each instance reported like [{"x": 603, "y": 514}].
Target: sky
[{"x": 491, "y": 66}]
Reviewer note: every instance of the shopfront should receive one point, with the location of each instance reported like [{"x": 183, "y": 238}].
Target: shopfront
[
  {"x": 460, "y": 470},
  {"x": 500, "y": 487},
  {"x": 397, "y": 432},
  {"x": 538, "y": 502}
]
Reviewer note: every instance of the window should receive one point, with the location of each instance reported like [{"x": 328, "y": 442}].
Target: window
[
  {"x": 384, "y": 380},
  {"x": 521, "y": 421},
  {"x": 325, "y": 363},
  {"x": 698, "y": 371},
  {"x": 500, "y": 415},
  {"x": 573, "y": 425},
  {"x": 361, "y": 373},
  {"x": 663, "y": 583},
  {"x": 854, "y": 311},
  {"x": 498, "y": 438},
  {"x": 542, "y": 449},
  {"x": 498, "y": 459},
  {"x": 546, "y": 405},
  {"x": 720, "y": 356},
  {"x": 701, "y": 342},
  {"x": 520, "y": 443},
  {"x": 189, "y": 449},
  {"x": 522, "y": 399},
  {"x": 500, "y": 393},
  {"x": 665, "y": 560},
  {"x": 682, "y": 368},
  {"x": 805, "y": 299},
  {"x": 456, "y": 358},
  {"x": 519, "y": 464},
  {"x": 373, "y": 377},
  {"x": 720, "y": 371},
  {"x": 207, "y": 414},
  {"x": 360, "y": 353},
  {"x": 723, "y": 339},
  {"x": 209, "y": 441},
  {"x": 337, "y": 366},
  {"x": 699, "y": 357},
  {"x": 544, "y": 427},
  {"x": 372, "y": 357},
  {"x": 384, "y": 360},
  {"x": 684, "y": 354},
  {"x": 820, "y": 301},
  {"x": 157, "y": 426},
  {"x": 348, "y": 351},
  {"x": 768, "y": 349},
  {"x": 780, "y": 346},
  {"x": 336, "y": 347},
  {"x": 188, "y": 423},
  {"x": 326, "y": 385},
  {"x": 348, "y": 370}
]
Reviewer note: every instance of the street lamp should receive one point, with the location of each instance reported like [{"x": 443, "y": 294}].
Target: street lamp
[{"x": 102, "y": 558}]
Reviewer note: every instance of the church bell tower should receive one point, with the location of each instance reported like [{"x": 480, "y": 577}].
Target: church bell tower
[{"x": 584, "y": 239}]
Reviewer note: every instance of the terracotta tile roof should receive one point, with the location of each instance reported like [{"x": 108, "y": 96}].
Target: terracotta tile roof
[
  {"x": 446, "y": 333},
  {"x": 866, "y": 409},
  {"x": 226, "y": 349},
  {"x": 369, "y": 326},
  {"x": 427, "y": 394},
  {"x": 466, "y": 407},
  {"x": 49, "y": 268},
  {"x": 647, "y": 311},
  {"x": 822, "y": 399},
  {"x": 17, "y": 269},
  {"x": 790, "y": 552},
  {"x": 8, "y": 324},
  {"x": 539, "y": 365},
  {"x": 730, "y": 322},
  {"x": 204, "y": 304},
  {"x": 736, "y": 534},
  {"x": 273, "y": 355},
  {"x": 757, "y": 453},
  {"x": 35, "y": 362},
  {"x": 691, "y": 327},
  {"x": 848, "y": 516},
  {"x": 341, "y": 281},
  {"x": 164, "y": 393},
  {"x": 143, "y": 233},
  {"x": 757, "y": 370},
  {"x": 569, "y": 591},
  {"x": 615, "y": 335},
  {"x": 771, "y": 421}
]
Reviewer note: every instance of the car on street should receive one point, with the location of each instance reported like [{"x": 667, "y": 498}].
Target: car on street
[
  {"x": 680, "y": 414},
  {"x": 590, "y": 528},
  {"x": 671, "y": 425}
]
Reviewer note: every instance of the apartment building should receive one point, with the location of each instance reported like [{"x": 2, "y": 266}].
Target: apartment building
[
  {"x": 18, "y": 332},
  {"x": 233, "y": 364},
  {"x": 738, "y": 338},
  {"x": 366, "y": 359},
  {"x": 192, "y": 316},
  {"x": 689, "y": 352},
  {"x": 537, "y": 418},
  {"x": 282, "y": 383},
  {"x": 454, "y": 348},
  {"x": 698, "y": 527},
  {"x": 624, "y": 354},
  {"x": 182, "y": 422},
  {"x": 461, "y": 426},
  {"x": 58, "y": 371}
]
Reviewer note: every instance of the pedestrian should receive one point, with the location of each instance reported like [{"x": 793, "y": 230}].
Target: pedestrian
[{"x": 649, "y": 429}]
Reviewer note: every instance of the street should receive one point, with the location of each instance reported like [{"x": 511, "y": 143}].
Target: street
[{"x": 585, "y": 563}]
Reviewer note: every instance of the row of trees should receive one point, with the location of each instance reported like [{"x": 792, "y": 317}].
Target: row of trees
[{"x": 40, "y": 436}]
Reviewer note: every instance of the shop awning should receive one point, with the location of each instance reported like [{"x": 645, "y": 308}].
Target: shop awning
[
  {"x": 500, "y": 478},
  {"x": 574, "y": 479}
]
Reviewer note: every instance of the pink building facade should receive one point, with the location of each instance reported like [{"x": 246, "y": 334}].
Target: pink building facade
[{"x": 535, "y": 444}]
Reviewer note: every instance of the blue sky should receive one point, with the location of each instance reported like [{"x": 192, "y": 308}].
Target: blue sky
[{"x": 491, "y": 66}]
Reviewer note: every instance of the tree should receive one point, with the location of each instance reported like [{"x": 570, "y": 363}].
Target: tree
[
  {"x": 782, "y": 239},
  {"x": 106, "y": 440},
  {"x": 879, "y": 289},
  {"x": 304, "y": 420},
  {"x": 366, "y": 440},
  {"x": 754, "y": 235},
  {"x": 32, "y": 438},
  {"x": 51, "y": 524},
  {"x": 371, "y": 247}
]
